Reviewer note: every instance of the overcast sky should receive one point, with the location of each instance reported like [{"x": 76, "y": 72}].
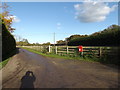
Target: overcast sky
[{"x": 37, "y": 21}]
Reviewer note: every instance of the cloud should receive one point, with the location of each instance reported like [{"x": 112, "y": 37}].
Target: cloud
[
  {"x": 93, "y": 11},
  {"x": 58, "y": 25},
  {"x": 14, "y": 18}
]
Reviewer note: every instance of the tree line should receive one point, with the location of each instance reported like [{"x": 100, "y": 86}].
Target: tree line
[
  {"x": 24, "y": 42},
  {"x": 107, "y": 37}
]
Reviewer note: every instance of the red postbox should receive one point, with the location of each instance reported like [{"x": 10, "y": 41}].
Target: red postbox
[{"x": 80, "y": 48}]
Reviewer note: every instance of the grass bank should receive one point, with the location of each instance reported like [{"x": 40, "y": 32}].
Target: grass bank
[
  {"x": 3, "y": 63},
  {"x": 63, "y": 57},
  {"x": 7, "y": 58}
]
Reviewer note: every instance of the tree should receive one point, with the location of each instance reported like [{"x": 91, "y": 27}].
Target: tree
[
  {"x": 60, "y": 42},
  {"x": 18, "y": 38},
  {"x": 8, "y": 41},
  {"x": 6, "y": 17},
  {"x": 74, "y": 37},
  {"x": 37, "y": 44},
  {"x": 23, "y": 42},
  {"x": 48, "y": 43}
]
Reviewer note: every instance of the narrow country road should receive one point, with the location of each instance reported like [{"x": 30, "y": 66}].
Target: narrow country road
[{"x": 27, "y": 69}]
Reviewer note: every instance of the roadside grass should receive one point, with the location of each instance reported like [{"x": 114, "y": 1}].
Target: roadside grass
[
  {"x": 7, "y": 58},
  {"x": 3, "y": 63},
  {"x": 63, "y": 57}
]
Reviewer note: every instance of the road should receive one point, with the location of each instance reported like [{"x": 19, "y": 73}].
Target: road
[{"x": 30, "y": 70}]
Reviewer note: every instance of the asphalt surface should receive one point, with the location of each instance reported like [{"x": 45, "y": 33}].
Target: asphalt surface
[{"x": 30, "y": 70}]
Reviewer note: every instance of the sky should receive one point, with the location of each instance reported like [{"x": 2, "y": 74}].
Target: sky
[{"x": 37, "y": 21}]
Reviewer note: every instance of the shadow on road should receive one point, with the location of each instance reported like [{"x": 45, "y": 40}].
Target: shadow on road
[{"x": 27, "y": 80}]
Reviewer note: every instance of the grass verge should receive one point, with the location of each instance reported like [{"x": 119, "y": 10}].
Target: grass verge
[
  {"x": 63, "y": 57},
  {"x": 3, "y": 63}
]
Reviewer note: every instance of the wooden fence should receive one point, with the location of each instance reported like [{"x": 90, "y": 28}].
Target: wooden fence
[{"x": 73, "y": 50}]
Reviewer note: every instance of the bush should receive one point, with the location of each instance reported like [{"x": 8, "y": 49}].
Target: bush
[
  {"x": 8, "y": 42},
  {"x": 107, "y": 37}
]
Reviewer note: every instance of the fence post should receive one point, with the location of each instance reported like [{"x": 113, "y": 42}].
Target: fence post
[
  {"x": 100, "y": 51},
  {"x": 41, "y": 48},
  {"x": 56, "y": 50},
  {"x": 67, "y": 50},
  {"x": 82, "y": 53},
  {"x": 49, "y": 48}
]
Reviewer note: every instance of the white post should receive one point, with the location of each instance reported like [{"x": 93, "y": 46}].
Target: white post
[
  {"x": 56, "y": 49},
  {"x": 67, "y": 50}
]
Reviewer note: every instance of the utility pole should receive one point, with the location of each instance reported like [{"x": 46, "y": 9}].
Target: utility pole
[
  {"x": 54, "y": 42},
  {"x": 54, "y": 38},
  {"x": 66, "y": 42}
]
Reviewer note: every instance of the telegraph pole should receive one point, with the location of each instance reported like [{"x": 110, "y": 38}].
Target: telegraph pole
[
  {"x": 54, "y": 38},
  {"x": 54, "y": 41}
]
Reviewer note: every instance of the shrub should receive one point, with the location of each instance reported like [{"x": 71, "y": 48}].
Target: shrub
[{"x": 8, "y": 42}]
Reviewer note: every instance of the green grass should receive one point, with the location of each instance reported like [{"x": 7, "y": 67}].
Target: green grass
[
  {"x": 3, "y": 63},
  {"x": 63, "y": 57},
  {"x": 7, "y": 58}
]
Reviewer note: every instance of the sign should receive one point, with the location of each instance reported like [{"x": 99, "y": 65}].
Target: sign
[{"x": 80, "y": 48}]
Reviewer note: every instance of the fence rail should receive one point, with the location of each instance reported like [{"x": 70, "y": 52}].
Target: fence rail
[{"x": 73, "y": 50}]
